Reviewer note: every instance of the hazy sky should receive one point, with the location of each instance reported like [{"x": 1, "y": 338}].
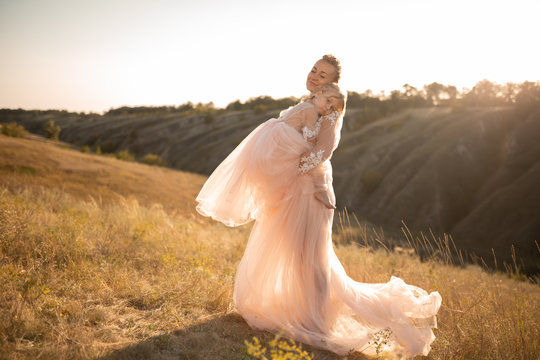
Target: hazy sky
[{"x": 97, "y": 54}]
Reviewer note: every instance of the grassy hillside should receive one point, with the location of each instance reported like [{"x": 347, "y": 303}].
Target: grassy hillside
[
  {"x": 131, "y": 274},
  {"x": 36, "y": 162},
  {"x": 470, "y": 172}
]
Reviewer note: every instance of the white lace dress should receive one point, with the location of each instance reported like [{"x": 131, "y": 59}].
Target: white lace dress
[{"x": 289, "y": 278}]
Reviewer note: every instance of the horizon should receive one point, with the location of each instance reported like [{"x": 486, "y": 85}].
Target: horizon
[
  {"x": 92, "y": 57},
  {"x": 383, "y": 95}
]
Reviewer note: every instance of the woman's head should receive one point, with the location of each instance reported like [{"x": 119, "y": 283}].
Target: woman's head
[
  {"x": 327, "y": 99},
  {"x": 326, "y": 70}
]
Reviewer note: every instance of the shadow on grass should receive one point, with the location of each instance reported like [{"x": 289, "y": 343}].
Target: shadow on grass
[{"x": 219, "y": 338}]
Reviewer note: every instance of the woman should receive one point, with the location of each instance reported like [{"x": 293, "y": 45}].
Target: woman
[
  {"x": 326, "y": 70},
  {"x": 290, "y": 278}
]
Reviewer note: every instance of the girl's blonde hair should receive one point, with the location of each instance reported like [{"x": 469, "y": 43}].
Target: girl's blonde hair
[{"x": 330, "y": 90}]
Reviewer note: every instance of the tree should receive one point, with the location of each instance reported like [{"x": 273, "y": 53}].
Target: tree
[
  {"x": 185, "y": 107},
  {"x": 528, "y": 98},
  {"x": 13, "y": 129},
  {"x": 235, "y": 105},
  {"x": 510, "y": 90},
  {"x": 452, "y": 92},
  {"x": 52, "y": 131},
  {"x": 413, "y": 96},
  {"x": 410, "y": 91},
  {"x": 433, "y": 92},
  {"x": 484, "y": 93}
]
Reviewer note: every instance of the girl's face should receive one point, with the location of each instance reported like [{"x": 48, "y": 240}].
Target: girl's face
[
  {"x": 325, "y": 104},
  {"x": 322, "y": 73}
]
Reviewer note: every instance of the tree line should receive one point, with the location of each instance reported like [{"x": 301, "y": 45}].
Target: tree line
[{"x": 524, "y": 96}]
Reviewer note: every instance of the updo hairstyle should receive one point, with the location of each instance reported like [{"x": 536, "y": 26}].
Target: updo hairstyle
[{"x": 332, "y": 60}]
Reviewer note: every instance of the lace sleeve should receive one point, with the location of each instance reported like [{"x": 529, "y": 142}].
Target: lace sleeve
[
  {"x": 311, "y": 129},
  {"x": 327, "y": 140}
]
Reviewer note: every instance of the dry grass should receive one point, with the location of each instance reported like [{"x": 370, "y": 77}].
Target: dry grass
[
  {"x": 128, "y": 279},
  {"x": 80, "y": 279},
  {"x": 483, "y": 315},
  {"x": 35, "y": 162}
]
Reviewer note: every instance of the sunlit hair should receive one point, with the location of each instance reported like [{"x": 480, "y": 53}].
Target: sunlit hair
[
  {"x": 329, "y": 90},
  {"x": 332, "y": 60}
]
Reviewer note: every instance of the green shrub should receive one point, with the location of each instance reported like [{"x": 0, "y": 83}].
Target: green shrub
[
  {"x": 13, "y": 129},
  {"x": 125, "y": 155},
  {"x": 85, "y": 149},
  {"x": 371, "y": 179},
  {"x": 153, "y": 159},
  {"x": 51, "y": 131}
]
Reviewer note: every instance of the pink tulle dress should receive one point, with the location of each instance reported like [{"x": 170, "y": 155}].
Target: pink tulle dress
[{"x": 289, "y": 278}]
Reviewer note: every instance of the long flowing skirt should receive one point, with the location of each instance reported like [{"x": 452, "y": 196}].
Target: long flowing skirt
[{"x": 289, "y": 279}]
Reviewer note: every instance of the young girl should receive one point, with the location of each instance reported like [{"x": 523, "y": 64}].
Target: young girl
[
  {"x": 328, "y": 102},
  {"x": 289, "y": 278}
]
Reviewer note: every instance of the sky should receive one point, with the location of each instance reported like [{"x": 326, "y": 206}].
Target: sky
[{"x": 96, "y": 55}]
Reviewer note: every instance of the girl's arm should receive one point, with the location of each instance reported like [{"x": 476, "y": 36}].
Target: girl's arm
[{"x": 325, "y": 145}]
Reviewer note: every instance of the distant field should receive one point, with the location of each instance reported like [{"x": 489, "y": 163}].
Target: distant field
[{"x": 104, "y": 259}]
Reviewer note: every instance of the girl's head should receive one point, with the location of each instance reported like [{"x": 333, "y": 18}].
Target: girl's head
[
  {"x": 326, "y": 70},
  {"x": 327, "y": 99}
]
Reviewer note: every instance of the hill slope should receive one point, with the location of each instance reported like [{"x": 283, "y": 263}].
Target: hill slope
[
  {"x": 35, "y": 162},
  {"x": 471, "y": 172}
]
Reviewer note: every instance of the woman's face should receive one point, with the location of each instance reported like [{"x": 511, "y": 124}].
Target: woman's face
[{"x": 322, "y": 73}]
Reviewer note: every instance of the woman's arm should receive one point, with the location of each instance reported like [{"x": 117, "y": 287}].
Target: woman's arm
[{"x": 305, "y": 116}]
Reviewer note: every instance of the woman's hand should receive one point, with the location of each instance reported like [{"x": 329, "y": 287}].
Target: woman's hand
[{"x": 322, "y": 196}]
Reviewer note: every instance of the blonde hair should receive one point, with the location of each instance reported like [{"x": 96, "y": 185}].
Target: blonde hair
[
  {"x": 332, "y": 60},
  {"x": 330, "y": 90}
]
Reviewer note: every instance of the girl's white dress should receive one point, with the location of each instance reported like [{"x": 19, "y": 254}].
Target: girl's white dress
[{"x": 289, "y": 278}]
